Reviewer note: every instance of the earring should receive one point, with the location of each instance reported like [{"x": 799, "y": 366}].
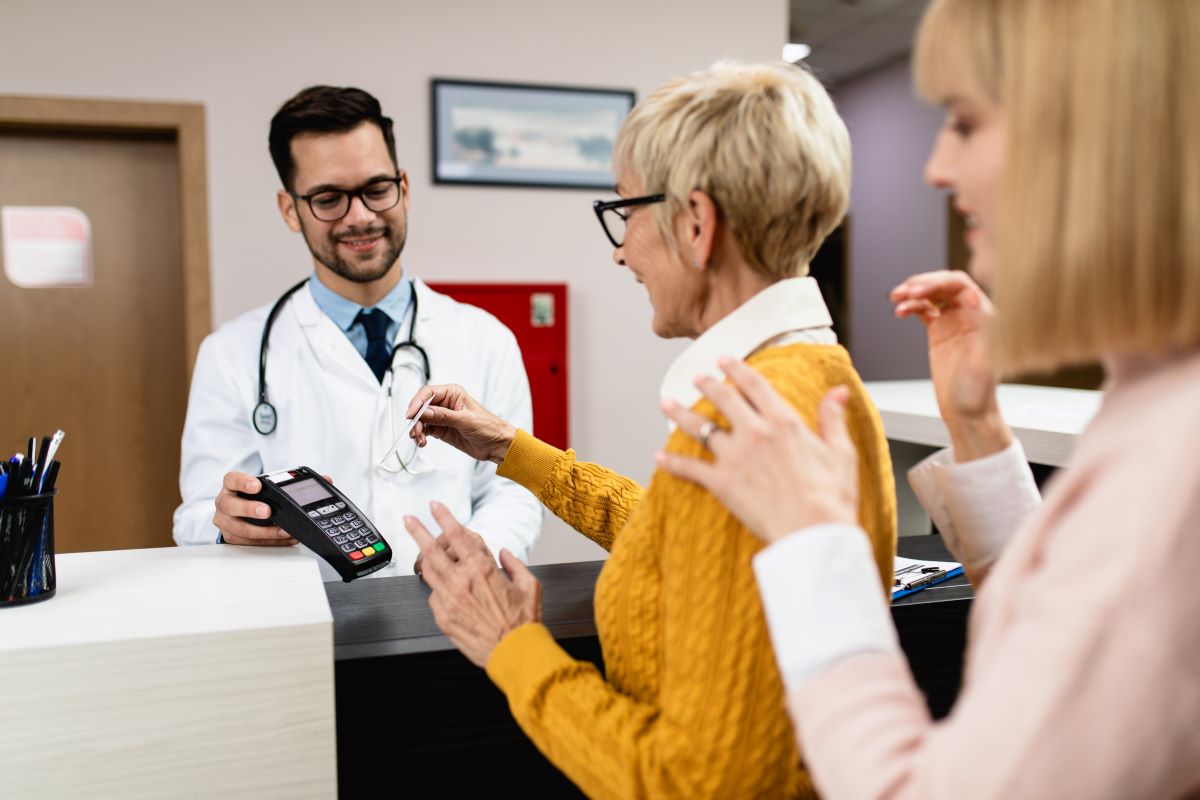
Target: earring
[{"x": 696, "y": 263}]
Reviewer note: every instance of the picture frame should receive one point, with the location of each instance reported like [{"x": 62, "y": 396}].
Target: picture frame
[{"x": 526, "y": 135}]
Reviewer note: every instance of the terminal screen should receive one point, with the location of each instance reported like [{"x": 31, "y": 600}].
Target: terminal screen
[{"x": 306, "y": 491}]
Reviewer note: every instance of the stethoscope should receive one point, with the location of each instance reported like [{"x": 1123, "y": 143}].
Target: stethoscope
[{"x": 265, "y": 418}]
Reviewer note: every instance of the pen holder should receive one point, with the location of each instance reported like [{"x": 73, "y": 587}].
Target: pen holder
[{"x": 27, "y": 549}]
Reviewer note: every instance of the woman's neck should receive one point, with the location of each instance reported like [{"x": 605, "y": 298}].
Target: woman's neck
[{"x": 732, "y": 286}]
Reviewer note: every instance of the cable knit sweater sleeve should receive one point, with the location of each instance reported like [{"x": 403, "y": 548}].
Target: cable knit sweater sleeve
[
  {"x": 691, "y": 705},
  {"x": 590, "y": 498}
]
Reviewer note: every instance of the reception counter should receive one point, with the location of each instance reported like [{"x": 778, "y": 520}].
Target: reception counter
[
  {"x": 213, "y": 672},
  {"x": 454, "y": 735},
  {"x": 171, "y": 672}
]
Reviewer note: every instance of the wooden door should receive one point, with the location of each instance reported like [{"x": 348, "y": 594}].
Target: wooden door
[{"x": 109, "y": 363}]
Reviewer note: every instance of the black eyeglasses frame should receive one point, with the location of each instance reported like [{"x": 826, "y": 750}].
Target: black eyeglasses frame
[
  {"x": 600, "y": 206},
  {"x": 350, "y": 194}
]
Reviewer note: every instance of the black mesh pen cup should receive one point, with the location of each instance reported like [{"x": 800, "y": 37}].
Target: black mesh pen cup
[{"x": 27, "y": 549}]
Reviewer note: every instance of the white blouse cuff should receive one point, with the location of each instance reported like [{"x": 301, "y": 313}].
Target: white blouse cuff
[
  {"x": 977, "y": 505},
  {"x": 822, "y": 599}
]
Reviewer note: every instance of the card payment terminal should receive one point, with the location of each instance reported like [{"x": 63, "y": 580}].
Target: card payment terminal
[{"x": 323, "y": 519}]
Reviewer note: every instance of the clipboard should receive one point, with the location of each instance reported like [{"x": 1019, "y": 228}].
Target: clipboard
[{"x": 911, "y": 575}]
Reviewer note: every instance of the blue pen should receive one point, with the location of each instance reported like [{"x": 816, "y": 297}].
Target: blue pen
[
  {"x": 3, "y": 483},
  {"x": 14, "y": 473}
]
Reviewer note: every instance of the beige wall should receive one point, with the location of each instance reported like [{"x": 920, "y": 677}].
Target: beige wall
[{"x": 242, "y": 59}]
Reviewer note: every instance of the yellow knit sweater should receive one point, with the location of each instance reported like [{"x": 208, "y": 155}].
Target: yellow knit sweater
[{"x": 692, "y": 705}]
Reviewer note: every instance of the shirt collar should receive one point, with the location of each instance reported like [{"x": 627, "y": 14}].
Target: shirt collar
[
  {"x": 343, "y": 312},
  {"x": 793, "y": 304}
]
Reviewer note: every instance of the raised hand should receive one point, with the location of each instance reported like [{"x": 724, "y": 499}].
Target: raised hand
[{"x": 958, "y": 319}]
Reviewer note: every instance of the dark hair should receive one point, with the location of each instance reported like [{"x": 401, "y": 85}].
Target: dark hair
[{"x": 323, "y": 109}]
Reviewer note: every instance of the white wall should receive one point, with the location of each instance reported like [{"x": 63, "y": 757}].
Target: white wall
[
  {"x": 897, "y": 223},
  {"x": 242, "y": 59}
]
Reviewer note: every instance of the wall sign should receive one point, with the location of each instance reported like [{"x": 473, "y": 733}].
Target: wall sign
[{"x": 46, "y": 246}]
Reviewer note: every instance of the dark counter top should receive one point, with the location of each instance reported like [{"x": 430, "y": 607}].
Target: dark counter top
[{"x": 391, "y": 616}]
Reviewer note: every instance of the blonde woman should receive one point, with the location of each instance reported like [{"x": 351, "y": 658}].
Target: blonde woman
[
  {"x": 1071, "y": 144},
  {"x": 729, "y": 179}
]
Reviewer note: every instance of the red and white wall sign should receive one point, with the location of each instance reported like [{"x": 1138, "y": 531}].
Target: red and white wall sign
[{"x": 46, "y": 246}]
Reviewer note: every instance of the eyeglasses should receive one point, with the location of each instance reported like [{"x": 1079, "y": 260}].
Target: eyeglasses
[
  {"x": 614, "y": 220},
  {"x": 330, "y": 205},
  {"x": 404, "y": 455}
]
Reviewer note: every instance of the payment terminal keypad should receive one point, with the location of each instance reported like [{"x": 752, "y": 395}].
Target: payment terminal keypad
[{"x": 344, "y": 528}]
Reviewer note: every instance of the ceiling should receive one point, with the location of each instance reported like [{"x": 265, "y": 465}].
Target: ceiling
[{"x": 849, "y": 37}]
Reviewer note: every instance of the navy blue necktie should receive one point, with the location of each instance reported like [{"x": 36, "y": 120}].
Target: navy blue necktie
[{"x": 379, "y": 349}]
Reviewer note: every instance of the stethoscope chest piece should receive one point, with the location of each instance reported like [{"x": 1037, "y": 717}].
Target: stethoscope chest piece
[{"x": 265, "y": 418}]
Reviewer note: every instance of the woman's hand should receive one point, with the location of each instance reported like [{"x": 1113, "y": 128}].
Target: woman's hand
[
  {"x": 473, "y": 602},
  {"x": 770, "y": 470},
  {"x": 458, "y": 420},
  {"x": 958, "y": 319}
]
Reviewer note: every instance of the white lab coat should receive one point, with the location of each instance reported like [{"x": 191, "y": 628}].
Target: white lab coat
[{"x": 333, "y": 416}]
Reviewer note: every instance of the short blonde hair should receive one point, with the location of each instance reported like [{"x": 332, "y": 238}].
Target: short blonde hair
[
  {"x": 1101, "y": 202},
  {"x": 763, "y": 141}
]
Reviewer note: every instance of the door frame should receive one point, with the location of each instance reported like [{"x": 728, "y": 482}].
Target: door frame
[{"x": 185, "y": 123}]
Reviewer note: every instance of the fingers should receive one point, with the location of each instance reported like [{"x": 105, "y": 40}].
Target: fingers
[
  {"x": 446, "y": 395},
  {"x": 727, "y": 400},
  {"x": 238, "y": 531},
  {"x": 756, "y": 389},
  {"x": 259, "y": 538},
  {"x": 523, "y": 580},
  {"x": 832, "y": 415},
  {"x": 438, "y": 417},
  {"x": 434, "y": 561},
  {"x": 241, "y": 482},
  {"x": 517, "y": 570},
  {"x": 230, "y": 507},
  {"x": 688, "y": 421},
  {"x": 440, "y": 553},
  {"x": 418, "y": 400},
  {"x": 924, "y": 310},
  {"x": 459, "y": 542},
  {"x": 702, "y": 473},
  {"x": 943, "y": 285}
]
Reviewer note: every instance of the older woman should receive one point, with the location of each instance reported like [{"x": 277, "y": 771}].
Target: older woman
[
  {"x": 729, "y": 180},
  {"x": 1070, "y": 143}
]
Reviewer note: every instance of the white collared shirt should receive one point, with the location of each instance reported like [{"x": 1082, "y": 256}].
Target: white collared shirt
[{"x": 790, "y": 311}]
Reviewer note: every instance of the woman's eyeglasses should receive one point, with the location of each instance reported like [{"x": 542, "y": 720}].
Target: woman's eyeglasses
[{"x": 614, "y": 218}]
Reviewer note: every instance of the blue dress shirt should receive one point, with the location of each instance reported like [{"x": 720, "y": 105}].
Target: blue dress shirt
[{"x": 344, "y": 312}]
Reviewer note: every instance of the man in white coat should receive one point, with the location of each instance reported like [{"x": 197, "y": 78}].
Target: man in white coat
[{"x": 346, "y": 351}]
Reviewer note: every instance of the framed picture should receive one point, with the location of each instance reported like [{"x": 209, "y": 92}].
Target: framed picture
[{"x": 504, "y": 134}]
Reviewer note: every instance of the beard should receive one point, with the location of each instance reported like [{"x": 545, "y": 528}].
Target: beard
[{"x": 363, "y": 269}]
